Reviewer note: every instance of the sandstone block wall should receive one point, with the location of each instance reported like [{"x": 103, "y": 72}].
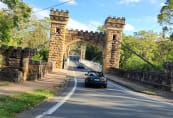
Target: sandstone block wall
[
  {"x": 17, "y": 65},
  {"x": 162, "y": 80}
]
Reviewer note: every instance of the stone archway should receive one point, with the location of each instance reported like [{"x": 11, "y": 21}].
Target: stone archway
[{"x": 109, "y": 41}]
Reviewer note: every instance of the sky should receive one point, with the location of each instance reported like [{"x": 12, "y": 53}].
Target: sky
[{"x": 89, "y": 14}]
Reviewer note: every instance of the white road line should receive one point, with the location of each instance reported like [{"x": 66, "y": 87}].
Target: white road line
[{"x": 59, "y": 104}]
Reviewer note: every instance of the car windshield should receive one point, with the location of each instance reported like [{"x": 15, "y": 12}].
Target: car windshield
[{"x": 99, "y": 74}]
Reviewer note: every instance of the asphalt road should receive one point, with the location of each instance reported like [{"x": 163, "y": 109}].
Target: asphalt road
[{"x": 112, "y": 102}]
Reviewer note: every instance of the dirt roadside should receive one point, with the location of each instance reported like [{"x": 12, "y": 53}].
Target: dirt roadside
[{"x": 51, "y": 81}]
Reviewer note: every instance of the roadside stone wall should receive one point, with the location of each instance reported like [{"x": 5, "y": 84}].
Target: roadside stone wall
[
  {"x": 38, "y": 69},
  {"x": 162, "y": 80},
  {"x": 17, "y": 65},
  {"x": 11, "y": 74}
]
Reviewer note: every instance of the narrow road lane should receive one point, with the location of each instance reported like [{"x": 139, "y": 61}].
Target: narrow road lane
[
  {"x": 113, "y": 102},
  {"x": 76, "y": 101}
]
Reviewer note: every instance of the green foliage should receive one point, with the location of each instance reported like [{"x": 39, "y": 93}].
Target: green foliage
[
  {"x": 41, "y": 55},
  {"x": 166, "y": 13},
  {"x": 165, "y": 17},
  {"x": 149, "y": 46},
  {"x": 18, "y": 28},
  {"x": 37, "y": 57},
  {"x": 36, "y": 33},
  {"x": 12, "y": 19},
  {"x": 101, "y": 28},
  {"x": 135, "y": 63},
  {"x": 94, "y": 54},
  {"x": 5, "y": 27},
  {"x": 44, "y": 53},
  {"x": 19, "y": 102}
]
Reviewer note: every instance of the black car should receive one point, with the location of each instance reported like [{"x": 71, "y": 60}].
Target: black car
[{"x": 94, "y": 78}]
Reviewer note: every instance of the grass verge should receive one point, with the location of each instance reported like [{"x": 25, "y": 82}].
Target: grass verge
[{"x": 13, "y": 104}]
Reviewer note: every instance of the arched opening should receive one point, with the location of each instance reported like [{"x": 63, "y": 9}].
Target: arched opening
[{"x": 74, "y": 52}]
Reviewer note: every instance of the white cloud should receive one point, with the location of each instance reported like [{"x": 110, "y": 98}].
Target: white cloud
[
  {"x": 162, "y": 4},
  {"x": 91, "y": 26},
  {"x": 70, "y": 2},
  {"x": 2, "y": 6},
  {"x": 39, "y": 13},
  {"x": 129, "y": 27},
  {"x": 129, "y": 1}
]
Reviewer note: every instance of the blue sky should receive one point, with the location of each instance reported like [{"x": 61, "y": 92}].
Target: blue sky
[{"x": 89, "y": 14}]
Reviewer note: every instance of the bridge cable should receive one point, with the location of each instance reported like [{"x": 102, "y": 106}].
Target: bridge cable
[
  {"x": 53, "y": 6},
  {"x": 130, "y": 50}
]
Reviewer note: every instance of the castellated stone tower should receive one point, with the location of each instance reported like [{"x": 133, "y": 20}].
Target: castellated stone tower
[
  {"x": 59, "y": 20},
  {"x": 61, "y": 38},
  {"x": 113, "y": 29}
]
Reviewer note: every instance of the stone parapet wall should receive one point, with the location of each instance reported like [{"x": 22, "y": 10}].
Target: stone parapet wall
[
  {"x": 13, "y": 62},
  {"x": 17, "y": 65},
  {"x": 38, "y": 69},
  {"x": 11, "y": 74},
  {"x": 16, "y": 52},
  {"x": 160, "y": 80}
]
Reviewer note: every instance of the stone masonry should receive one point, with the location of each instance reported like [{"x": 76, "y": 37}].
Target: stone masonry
[
  {"x": 61, "y": 38},
  {"x": 17, "y": 65},
  {"x": 82, "y": 52},
  {"x": 113, "y": 27}
]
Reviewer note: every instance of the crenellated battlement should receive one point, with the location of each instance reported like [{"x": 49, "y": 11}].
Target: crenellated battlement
[
  {"x": 120, "y": 20},
  {"x": 96, "y": 38},
  {"x": 85, "y": 33},
  {"x": 115, "y": 22},
  {"x": 19, "y": 52},
  {"x": 59, "y": 15}
]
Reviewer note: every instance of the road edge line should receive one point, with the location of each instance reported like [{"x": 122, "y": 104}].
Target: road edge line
[{"x": 59, "y": 104}]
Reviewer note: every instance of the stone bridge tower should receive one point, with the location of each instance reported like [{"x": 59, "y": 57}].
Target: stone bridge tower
[
  {"x": 113, "y": 29},
  {"x": 62, "y": 38},
  {"x": 59, "y": 20}
]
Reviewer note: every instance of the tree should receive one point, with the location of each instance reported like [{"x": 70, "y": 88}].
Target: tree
[
  {"x": 94, "y": 54},
  {"x": 5, "y": 27},
  {"x": 101, "y": 28},
  {"x": 165, "y": 17},
  {"x": 36, "y": 33},
  {"x": 12, "y": 19},
  {"x": 144, "y": 44}
]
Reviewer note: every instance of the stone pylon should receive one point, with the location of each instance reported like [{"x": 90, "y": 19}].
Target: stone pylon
[
  {"x": 82, "y": 52},
  {"x": 59, "y": 20},
  {"x": 111, "y": 53}
]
